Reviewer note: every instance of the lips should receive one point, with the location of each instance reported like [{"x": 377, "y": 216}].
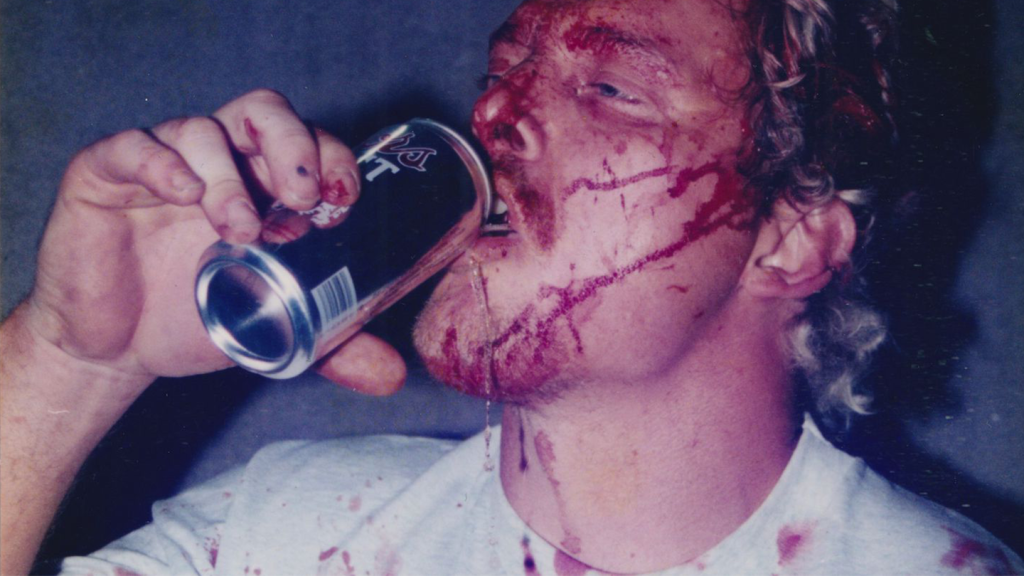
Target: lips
[
  {"x": 497, "y": 221},
  {"x": 501, "y": 221}
]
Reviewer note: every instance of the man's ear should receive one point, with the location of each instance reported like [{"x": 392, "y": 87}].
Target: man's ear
[{"x": 797, "y": 250}]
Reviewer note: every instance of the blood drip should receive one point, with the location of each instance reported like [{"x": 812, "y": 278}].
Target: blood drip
[
  {"x": 479, "y": 285},
  {"x": 734, "y": 209}
]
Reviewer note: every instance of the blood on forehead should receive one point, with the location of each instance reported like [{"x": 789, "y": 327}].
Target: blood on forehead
[{"x": 698, "y": 38}]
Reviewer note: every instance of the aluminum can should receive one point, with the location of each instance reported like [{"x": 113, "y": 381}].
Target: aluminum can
[{"x": 276, "y": 307}]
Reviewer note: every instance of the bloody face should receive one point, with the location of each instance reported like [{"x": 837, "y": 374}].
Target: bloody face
[{"x": 613, "y": 127}]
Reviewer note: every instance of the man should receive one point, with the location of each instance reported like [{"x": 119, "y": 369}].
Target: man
[{"x": 679, "y": 185}]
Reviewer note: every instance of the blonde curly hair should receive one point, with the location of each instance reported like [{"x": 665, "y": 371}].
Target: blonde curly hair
[{"x": 820, "y": 110}]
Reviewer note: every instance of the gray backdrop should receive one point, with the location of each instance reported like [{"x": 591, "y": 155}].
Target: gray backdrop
[{"x": 951, "y": 420}]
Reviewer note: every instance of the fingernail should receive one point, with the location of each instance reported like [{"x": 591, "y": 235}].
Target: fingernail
[
  {"x": 242, "y": 217},
  {"x": 335, "y": 191},
  {"x": 185, "y": 181},
  {"x": 351, "y": 182}
]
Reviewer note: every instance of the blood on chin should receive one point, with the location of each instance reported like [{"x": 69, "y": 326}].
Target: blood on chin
[{"x": 451, "y": 338}]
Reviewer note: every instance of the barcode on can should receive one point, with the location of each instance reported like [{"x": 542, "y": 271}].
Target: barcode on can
[{"x": 335, "y": 300}]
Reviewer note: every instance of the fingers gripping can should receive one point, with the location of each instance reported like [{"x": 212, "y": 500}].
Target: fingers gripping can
[{"x": 276, "y": 306}]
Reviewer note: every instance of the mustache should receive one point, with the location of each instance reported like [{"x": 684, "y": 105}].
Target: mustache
[{"x": 507, "y": 165}]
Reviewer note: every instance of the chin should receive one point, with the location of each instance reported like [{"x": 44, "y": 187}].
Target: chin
[{"x": 451, "y": 336}]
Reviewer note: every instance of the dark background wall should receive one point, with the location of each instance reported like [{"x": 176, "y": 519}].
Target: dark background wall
[{"x": 951, "y": 404}]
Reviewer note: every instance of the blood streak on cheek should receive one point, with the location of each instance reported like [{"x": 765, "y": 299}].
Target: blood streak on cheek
[
  {"x": 729, "y": 207},
  {"x": 613, "y": 183},
  {"x": 688, "y": 176}
]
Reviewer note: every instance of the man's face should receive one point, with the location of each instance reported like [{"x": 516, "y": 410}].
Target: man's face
[{"x": 613, "y": 133}]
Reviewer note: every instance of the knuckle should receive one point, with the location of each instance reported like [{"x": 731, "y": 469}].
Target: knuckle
[
  {"x": 151, "y": 159},
  {"x": 226, "y": 188},
  {"x": 123, "y": 142},
  {"x": 194, "y": 128},
  {"x": 265, "y": 95},
  {"x": 167, "y": 128}
]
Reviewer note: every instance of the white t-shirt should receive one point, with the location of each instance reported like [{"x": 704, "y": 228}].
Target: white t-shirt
[{"x": 393, "y": 505}]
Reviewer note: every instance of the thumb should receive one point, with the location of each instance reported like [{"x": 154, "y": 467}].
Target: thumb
[{"x": 365, "y": 364}]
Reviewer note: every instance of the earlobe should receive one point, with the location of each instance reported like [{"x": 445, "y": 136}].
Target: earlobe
[{"x": 798, "y": 251}]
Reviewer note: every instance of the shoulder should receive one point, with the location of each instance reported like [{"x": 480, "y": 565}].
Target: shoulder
[
  {"x": 397, "y": 456},
  {"x": 874, "y": 526},
  {"x": 290, "y": 479}
]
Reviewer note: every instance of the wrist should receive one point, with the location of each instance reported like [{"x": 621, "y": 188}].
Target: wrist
[
  {"x": 55, "y": 409},
  {"x": 32, "y": 359}
]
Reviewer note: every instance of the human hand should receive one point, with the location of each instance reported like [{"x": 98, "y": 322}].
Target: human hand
[{"x": 135, "y": 211}]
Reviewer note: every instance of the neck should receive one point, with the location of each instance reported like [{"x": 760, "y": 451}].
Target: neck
[{"x": 642, "y": 476}]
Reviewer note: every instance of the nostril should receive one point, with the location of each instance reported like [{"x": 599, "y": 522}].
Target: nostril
[{"x": 507, "y": 133}]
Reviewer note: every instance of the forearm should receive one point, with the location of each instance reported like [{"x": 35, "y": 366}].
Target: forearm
[{"x": 54, "y": 409}]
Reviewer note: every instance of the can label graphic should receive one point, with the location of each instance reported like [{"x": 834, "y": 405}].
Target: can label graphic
[{"x": 278, "y": 305}]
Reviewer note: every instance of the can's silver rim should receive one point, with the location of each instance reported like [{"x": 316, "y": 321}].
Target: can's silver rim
[
  {"x": 217, "y": 260},
  {"x": 477, "y": 169},
  {"x": 475, "y": 165}
]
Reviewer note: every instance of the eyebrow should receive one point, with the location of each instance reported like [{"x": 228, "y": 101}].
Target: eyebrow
[
  {"x": 508, "y": 33},
  {"x": 598, "y": 39}
]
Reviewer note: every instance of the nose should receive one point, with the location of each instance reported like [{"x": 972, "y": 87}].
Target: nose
[{"x": 505, "y": 118}]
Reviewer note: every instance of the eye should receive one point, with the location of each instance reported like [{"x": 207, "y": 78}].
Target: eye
[
  {"x": 607, "y": 90},
  {"x": 486, "y": 80},
  {"x": 610, "y": 91}
]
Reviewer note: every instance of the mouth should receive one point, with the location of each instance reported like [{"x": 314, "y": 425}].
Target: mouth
[{"x": 497, "y": 221}]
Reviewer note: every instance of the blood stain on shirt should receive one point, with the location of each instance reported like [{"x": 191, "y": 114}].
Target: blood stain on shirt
[
  {"x": 979, "y": 557},
  {"x": 355, "y": 504},
  {"x": 119, "y": 571},
  {"x": 212, "y": 546},
  {"x": 791, "y": 541},
  {"x": 387, "y": 561},
  {"x": 328, "y": 553},
  {"x": 566, "y": 565},
  {"x": 347, "y": 559},
  {"x": 529, "y": 564}
]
